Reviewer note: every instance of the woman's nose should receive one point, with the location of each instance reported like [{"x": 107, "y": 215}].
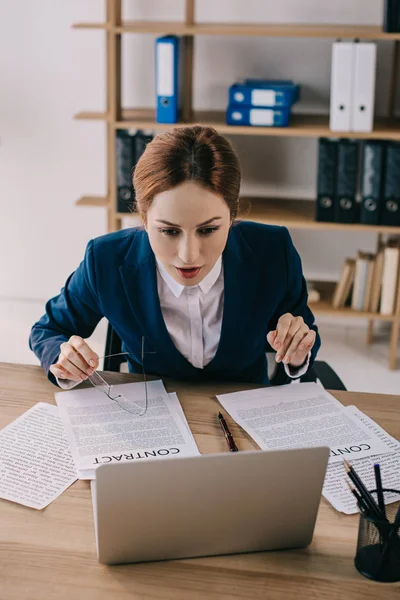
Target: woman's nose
[{"x": 189, "y": 251}]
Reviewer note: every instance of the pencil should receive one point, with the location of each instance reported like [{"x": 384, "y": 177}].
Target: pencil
[
  {"x": 360, "y": 502},
  {"x": 365, "y": 494},
  {"x": 379, "y": 489}
]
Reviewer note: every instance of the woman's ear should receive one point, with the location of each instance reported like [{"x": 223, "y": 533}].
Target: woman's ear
[{"x": 144, "y": 222}]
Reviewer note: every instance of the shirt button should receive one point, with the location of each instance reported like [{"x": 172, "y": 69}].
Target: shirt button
[{"x": 196, "y": 322}]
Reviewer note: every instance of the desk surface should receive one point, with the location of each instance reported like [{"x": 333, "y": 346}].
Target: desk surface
[{"x": 51, "y": 553}]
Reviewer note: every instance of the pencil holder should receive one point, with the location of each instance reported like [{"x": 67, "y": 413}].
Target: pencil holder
[{"x": 378, "y": 544}]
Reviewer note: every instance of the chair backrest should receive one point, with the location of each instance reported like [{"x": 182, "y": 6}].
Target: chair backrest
[
  {"x": 113, "y": 346},
  {"x": 327, "y": 376}
]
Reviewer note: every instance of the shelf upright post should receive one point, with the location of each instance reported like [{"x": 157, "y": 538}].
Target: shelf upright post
[
  {"x": 370, "y": 329},
  {"x": 394, "y": 84},
  {"x": 113, "y": 83},
  {"x": 188, "y": 51}
]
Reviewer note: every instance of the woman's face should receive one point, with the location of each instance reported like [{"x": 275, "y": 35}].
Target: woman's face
[{"x": 188, "y": 227}]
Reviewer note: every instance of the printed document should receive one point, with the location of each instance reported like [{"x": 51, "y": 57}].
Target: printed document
[
  {"x": 336, "y": 490},
  {"x": 36, "y": 464},
  {"x": 302, "y": 415},
  {"x": 100, "y": 431}
]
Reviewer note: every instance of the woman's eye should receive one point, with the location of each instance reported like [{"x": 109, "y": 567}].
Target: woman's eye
[
  {"x": 169, "y": 232},
  {"x": 207, "y": 230}
]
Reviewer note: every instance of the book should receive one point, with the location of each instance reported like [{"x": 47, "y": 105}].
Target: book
[
  {"x": 377, "y": 281},
  {"x": 368, "y": 285},
  {"x": 313, "y": 294},
  {"x": 360, "y": 280},
  {"x": 344, "y": 284},
  {"x": 390, "y": 276}
]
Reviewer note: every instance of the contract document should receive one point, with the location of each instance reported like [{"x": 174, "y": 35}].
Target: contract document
[
  {"x": 36, "y": 464},
  {"x": 100, "y": 431},
  {"x": 336, "y": 490},
  {"x": 302, "y": 415}
]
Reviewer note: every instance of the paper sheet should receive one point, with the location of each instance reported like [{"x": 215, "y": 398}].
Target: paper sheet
[
  {"x": 173, "y": 402},
  {"x": 303, "y": 415},
  {"x": 100, "y": 431},
  {"x": 36, "y": 464},
  {"x": 335, "y": 488}
]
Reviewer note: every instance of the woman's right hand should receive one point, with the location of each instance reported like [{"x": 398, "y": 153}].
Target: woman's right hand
[{"x": 76, "y": 360}]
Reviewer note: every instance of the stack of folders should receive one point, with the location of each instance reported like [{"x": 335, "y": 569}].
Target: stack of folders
[
  {"x": 358, "y": 182},
  {"x": 370, "y": 282},
  {"x": 261, "y": 102},
  {"x": 352, "y": 86},
  {"x": 129, "y": 149}
]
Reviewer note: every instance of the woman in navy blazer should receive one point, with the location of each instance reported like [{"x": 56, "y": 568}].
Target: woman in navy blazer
[{"x": 187, "y": 193}]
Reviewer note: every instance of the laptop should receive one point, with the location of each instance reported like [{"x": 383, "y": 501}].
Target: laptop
[{"x": 207, "y": 505}]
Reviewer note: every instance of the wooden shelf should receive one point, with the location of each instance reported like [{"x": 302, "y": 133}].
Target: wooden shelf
[
  {"x": 299, "y": 214},
  {"x": 248, "y": 29},
  {"x": 91, "y": 116},
  {"x": 294, "y": 214},
  {"x": 324, "y": 306},
  {"x": 101, "y": 201},
  {"x": 89, "y": 26},
  {"x": 299, "y": 126}
]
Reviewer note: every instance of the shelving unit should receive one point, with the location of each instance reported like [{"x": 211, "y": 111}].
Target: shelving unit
[{"x": 293, "y": 213}]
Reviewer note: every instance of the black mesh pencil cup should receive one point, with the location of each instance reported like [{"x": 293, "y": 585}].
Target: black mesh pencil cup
[{"x": 378, "y": 544}]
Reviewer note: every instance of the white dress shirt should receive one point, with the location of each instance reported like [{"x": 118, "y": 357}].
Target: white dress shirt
[{"x": 193, "y": 317}]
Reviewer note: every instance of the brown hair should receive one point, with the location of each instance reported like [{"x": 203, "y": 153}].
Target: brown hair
[{"x": 194, "y": 153}]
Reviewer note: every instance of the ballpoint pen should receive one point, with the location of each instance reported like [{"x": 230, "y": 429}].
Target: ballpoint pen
[{"x": 227, "y": 433}]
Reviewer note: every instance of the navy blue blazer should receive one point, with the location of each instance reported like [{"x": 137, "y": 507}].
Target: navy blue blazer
[{"x": 117, "y": 279}]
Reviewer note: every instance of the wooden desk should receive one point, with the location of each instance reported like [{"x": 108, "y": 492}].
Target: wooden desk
[{"x": 51, "y": 553}]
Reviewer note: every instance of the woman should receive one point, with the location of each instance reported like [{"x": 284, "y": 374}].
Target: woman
[{"x": 208, "y": 295}]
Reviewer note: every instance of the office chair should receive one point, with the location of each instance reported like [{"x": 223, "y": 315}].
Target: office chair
[{"x": 320, "y": 369}]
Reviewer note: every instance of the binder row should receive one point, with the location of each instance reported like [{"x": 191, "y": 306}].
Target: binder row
[
  {"x": 353, "y": 74},
  {"x": 358, "y": 182},
  {"x": 129, "y": 149},
  {"x": 391, "y": 16}
]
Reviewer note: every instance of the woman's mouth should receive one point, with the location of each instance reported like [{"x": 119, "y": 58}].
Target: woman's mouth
[{"x": 189, "y": 273}]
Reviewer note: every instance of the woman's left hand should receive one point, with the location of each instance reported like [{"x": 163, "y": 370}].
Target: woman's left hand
[{"x": 292, "y": 339}]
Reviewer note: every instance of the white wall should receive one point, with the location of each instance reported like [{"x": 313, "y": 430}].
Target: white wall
[{"x": 49, "y": 71}]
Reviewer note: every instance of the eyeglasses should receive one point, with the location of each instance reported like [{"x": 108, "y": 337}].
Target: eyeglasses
[{"x": 135, "y": 407}]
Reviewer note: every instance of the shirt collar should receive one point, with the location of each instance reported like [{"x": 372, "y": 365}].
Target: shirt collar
[{"x": 205, "y": 285}]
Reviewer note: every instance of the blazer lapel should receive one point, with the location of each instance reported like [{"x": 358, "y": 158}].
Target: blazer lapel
[
  {"x": 139, "y": 277},
  {"x": 240, "y": 281}
]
